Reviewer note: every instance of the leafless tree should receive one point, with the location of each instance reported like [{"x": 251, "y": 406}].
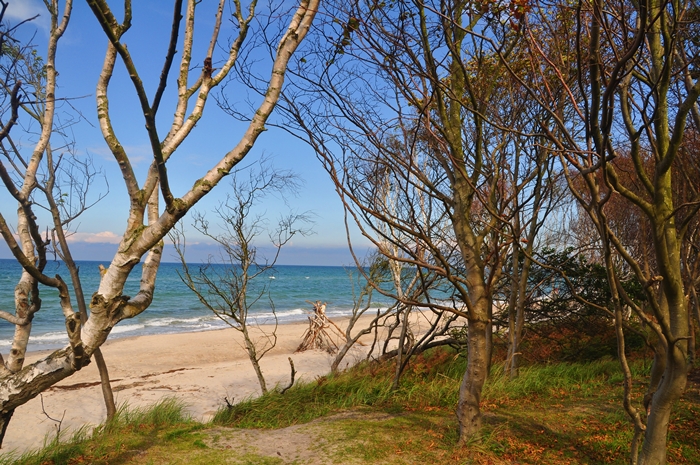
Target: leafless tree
[
  {"x": 403, "y": 108},
  {"x": 65, "y": 181},
  {"x": 632, "y": 95},
  {"x": 149, "y": 220},
  {"x": 230, "y": 284},
  {"x": 362, "y": 307}
]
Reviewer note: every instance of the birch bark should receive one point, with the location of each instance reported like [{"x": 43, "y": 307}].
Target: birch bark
[{"x": 148, "y": 222}]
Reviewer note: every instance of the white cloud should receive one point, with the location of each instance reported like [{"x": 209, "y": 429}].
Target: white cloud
[
  {"x": 22, "y": 10},
  {"x": 103, "y": 237},
  {"x": 138, "y": 154}
]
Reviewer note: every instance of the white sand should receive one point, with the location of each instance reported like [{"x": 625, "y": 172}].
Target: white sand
[{"x": 199, "y": 368}]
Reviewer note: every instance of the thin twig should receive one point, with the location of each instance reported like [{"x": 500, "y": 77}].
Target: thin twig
[{"x": 60, "y": 422}]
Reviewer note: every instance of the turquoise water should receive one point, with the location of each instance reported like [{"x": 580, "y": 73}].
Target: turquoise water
[{"x": 176, "y": 309}]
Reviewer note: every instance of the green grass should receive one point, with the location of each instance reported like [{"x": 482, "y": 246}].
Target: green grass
[
  {"x": 551, "y": 414},
  {"x": 430, "y": 383},
  {"x": 129, "y": 433}
]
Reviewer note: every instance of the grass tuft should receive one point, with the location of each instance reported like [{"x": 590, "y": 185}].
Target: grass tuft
[
  {"x": 551, "y": 379},
  {"x": 130, "y": 429},
  {"x": 169, "y": 411},
  {"x": 431, "y": 382}
]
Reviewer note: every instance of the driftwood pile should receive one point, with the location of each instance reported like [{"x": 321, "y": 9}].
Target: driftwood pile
[{"x": 322, "y": 333}]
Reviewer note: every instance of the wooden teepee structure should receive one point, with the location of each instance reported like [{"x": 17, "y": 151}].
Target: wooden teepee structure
[{"x": 322, "y": 333}]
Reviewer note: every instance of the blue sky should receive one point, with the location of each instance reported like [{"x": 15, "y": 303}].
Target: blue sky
[{"x": 79, "y": 60}]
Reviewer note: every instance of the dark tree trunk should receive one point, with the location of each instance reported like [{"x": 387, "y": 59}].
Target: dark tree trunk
[
  {"x": 5, "y": 417},
  {"x": 468, "y": 407}
]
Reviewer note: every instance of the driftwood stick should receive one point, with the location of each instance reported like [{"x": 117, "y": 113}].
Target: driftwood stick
[
  {"x": 294, "y": 372},
  {"x": 336, "y": 327}
]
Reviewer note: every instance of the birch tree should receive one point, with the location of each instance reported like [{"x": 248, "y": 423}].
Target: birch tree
[
  {"x": 65, "y": 181},
  {"x": 29, "y": 246},
  {"x": 154, "y": 204}
]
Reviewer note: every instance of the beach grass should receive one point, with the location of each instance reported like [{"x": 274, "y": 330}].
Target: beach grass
[
  {"x": 128, "y": 434},
  {"x": 563, "y": 413}
]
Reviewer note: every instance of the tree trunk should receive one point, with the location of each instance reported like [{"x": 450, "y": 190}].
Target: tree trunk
[
  {"x": 74, "y": 271},
  {"x": 468, "y": 408},
  {"x": 350, "y": 341},
  {"x": 668, "y": 392},
  {"x": 5, "y": 417},
  {"x": 401, "y": 347},
  {"x": 18, "y": 388},
  {"x": 519, "y": 324},
  {"x": 105, "y": 384},
  {"x": 478, "y": 301},
  {"x": 512, "y": 368},
  {"x": 692, "y": 341},
  {"x": 694, "y": 321},
  {"x": 520, "y": 306},
  {"x": 511, "y": 365},
  {"x": 488, "y": 333},
  {"x": 259, "y": 374},
  {"x": 253, "y": 356},
  {"x": 341, "y": 354}
]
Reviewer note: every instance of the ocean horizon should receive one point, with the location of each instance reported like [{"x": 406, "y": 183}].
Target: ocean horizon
[{"x": 176, "y": 309}]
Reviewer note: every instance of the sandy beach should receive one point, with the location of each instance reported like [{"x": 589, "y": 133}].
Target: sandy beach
[{"x": 199, "y": 368}]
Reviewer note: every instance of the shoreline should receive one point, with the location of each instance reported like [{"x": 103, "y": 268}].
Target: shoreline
[
  {"x": 120, "y": 335},
  {"x": 175, "y": 308}
]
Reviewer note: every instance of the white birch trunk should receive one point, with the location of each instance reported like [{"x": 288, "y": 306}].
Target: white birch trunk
[{"x": 108, "y": 305}]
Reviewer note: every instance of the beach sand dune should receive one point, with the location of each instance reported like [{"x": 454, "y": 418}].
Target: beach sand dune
[{"x": 199, "y": 368}]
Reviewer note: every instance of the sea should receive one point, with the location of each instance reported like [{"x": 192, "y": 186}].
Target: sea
[{"x": 175, "y": 308}]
